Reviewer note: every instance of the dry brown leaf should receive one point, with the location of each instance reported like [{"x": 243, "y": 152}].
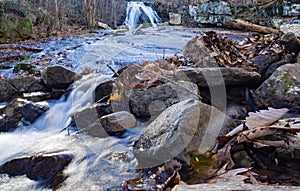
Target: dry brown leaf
[
  {"x": 264, "y": 117},
  {"x": 235, "y": 175},
  {"x": 255, "y": 133},
  {"x": 267, "y": 143}
]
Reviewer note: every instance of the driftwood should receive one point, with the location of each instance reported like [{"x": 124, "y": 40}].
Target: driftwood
[{"x": 244, "y": 25}]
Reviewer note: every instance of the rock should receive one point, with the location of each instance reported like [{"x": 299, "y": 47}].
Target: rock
[
  {"x": 213, "y": 13},
  {"x": 291, "y": 43},
  {"x": 116, "y": 123},
  {"x": 196, "y": 51},
  {"x": 13, "y": 88},
  {"x": 7, "y": 91},
  {"x": 228, "y": 186},
  {"x": 87, "y": 116},
  {"x": 149, "y": 103},
  {"x": 215, "y": 8},
  {"x": 237, "y": 112},
  {"x": 186, "y": 126},
  {"x": 15, "y": 23},
  {"x": 103, "y": 26},
  {"x": 103, "y": 90},
  {"x": 230, "y": 76},
  {"x": 293, "y": 28},
  {"x": 45, "y": 169},
  {"x": 58, "y": 77},
  {"x": 175, "y": 19},
  {"x": 282, "y": 89},
  {"x": 18, "y": 110}
]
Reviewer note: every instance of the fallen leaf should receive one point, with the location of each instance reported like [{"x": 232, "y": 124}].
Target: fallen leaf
[{"x": 264, "y": 117}]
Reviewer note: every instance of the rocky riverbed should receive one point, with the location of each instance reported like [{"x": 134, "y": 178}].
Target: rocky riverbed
[{"x": 100, "y": 110}]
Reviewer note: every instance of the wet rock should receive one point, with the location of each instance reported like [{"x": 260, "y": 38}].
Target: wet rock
[
  {"x": 230, "y": 76},
  {"x": 103, "y": 90},
  {"x": 149, "y": 103},
  {"x": 186, "y": 126},
  {"x": 58, "y": 77},
  {"x": 116, "y": 123},
  {"x": 13, "y": 88},
  {"x": 37, "y": 96},
  {"x": 48, "y": 170},
  {"x": 282, "y": 89},
  {"x": 87, "y": 116},
  {"x": 197, "y": 53},
  {"x": 13, "y": 113}
]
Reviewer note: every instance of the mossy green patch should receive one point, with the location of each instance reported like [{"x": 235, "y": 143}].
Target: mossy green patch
[{"x": 288, "y": 80}]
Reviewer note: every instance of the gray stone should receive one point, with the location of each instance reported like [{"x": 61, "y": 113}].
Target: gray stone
[
  {"x": 223, "y": 186},
  {"x": 293, "y": 28},
  {"x": 58, "y": 77},
  {"x": 282, "y": 89},
  {"x": 116, "y": 123},
  {"x": 175, "y": 19},
  {"x": 149, "y": 103},
  {"x": 103, "y": 90},
  {"x": 13, "y": 88},
  {"x": 87, "y": 116},
  {"x": 207, "y": 77},
  {"x": 11, "y": 114},
  {"x": 103, "y": 26},
  {"x": 214, "y": 13},
  {"x": 47, "y": 170},
  {"x": 215, "y": 8},
  {"x": 187, "y": 126},
  {"x": 196, "y": 52}
]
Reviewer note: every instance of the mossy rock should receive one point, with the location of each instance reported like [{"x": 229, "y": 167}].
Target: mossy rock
[
  {"x": 282, "y": 89},
  {"x": 15, "y": 24}
]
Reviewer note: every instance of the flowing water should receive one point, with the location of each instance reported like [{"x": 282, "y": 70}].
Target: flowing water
[
  {"x": 136, "y": 10},
  {"x": 99, "y": 163}
]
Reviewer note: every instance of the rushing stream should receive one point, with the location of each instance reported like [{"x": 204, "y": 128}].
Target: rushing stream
[{"x": 99, "y": 163}]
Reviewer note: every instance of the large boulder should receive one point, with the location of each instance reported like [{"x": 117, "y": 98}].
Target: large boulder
[
  {"x": 45, "y": 169},
  {"x": 230, "y": 76},
  {"x": 186, "y": 126},
  {"x": 58, "y": 77},
  {"x": 282, "y": 89},
  {"x": 13, "y": 88},
  {"x": 15, "y": 22},
  {"x": 149, "y": 103},
  {"x": 19, "y": 111},
  {"x": 197, "y": 53}
]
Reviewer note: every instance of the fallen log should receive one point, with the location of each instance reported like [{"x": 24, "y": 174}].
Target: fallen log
[{"x": 244, "y": 25}]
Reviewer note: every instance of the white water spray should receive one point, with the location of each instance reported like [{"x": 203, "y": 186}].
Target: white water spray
[{"x": 135, "y": 10}]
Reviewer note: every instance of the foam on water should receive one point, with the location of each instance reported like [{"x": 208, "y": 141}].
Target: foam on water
[{"x": 135, "y": 10}]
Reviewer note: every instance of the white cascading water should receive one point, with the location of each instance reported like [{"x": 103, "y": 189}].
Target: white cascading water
[{"x": 135, "y": 10}]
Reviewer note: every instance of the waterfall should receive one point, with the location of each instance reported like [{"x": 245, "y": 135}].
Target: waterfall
[{"x": 135, "y": 10}]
